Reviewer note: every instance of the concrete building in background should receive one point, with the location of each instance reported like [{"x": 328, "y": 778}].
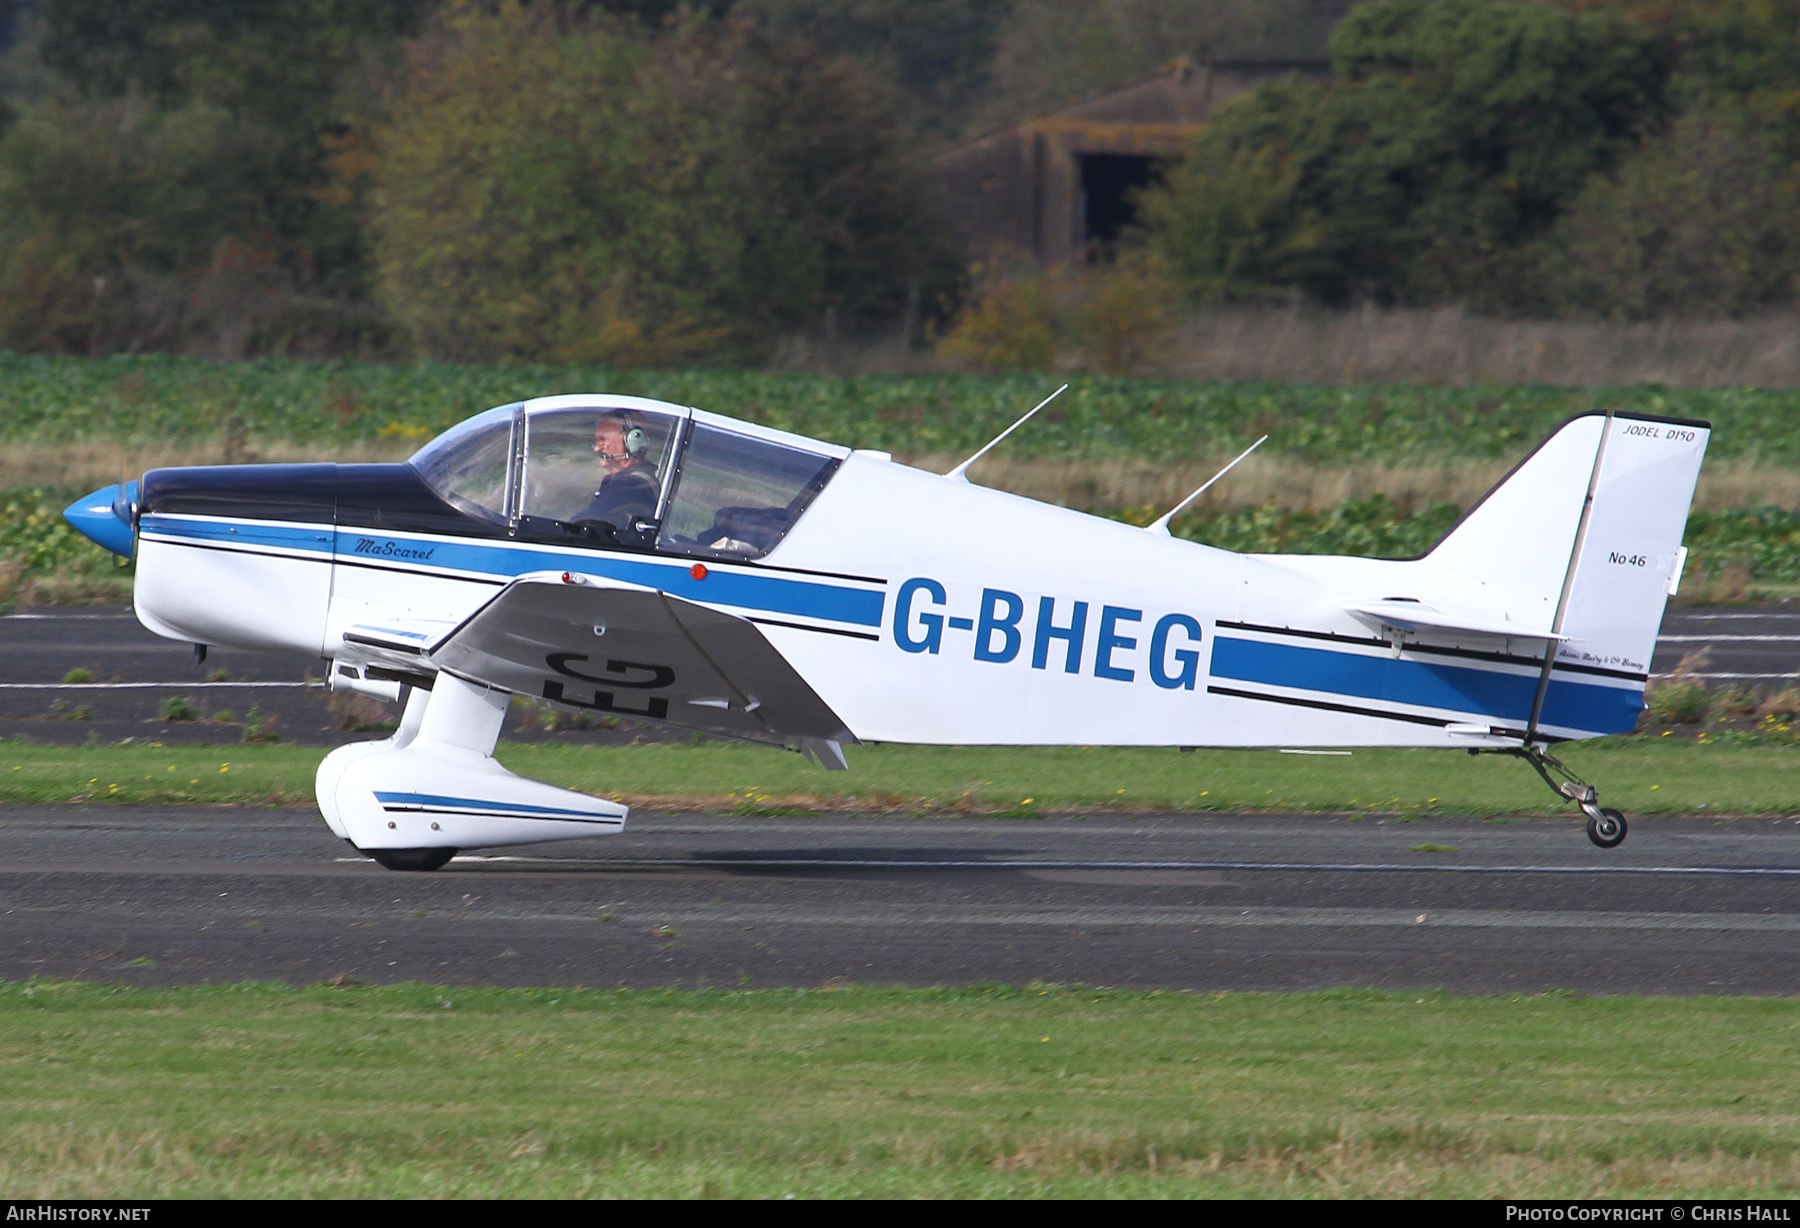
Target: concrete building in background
[{"x": 1060, "y": 187}]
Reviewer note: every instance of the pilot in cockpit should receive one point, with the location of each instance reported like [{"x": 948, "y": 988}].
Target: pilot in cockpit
[{"x": 629, "y": 485}]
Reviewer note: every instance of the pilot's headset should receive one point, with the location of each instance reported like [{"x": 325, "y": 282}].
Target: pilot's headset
[{"x": 637, "y": 439}]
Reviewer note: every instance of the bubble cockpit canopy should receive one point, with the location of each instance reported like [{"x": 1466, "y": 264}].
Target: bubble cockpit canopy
[{"x": 626, "y": 472}]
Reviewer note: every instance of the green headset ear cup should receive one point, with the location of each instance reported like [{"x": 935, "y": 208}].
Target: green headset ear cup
[{"x": 637, "y": 442}]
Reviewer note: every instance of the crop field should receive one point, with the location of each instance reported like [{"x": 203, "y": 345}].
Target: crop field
[
  {"x": 414, "y": 1090},
  {"x": 1377, "y": 469},
  {"x": 158, "y": 398},
  {"x": 45, "y": 561}
]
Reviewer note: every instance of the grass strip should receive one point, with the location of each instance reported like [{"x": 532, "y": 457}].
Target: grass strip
[
  {"x": 1640, "y": 775},
  {"x": 432, "y": 1091}
]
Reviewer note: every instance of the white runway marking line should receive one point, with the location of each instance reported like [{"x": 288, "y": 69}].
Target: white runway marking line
[
  {"x": 1709, "y": 618},
  {"x": 73, "y": 617},
  {"x": 909, "y": 915},
  {"x": 846, "y": 863},
  {"x": 1728, "y": 639},
  {"x": 1253, "y": 918},
  {"x": 1731, "y": 677}
]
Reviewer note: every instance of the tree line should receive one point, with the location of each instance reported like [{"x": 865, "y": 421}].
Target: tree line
[
  {"x": 659, "y": 182},
  {"x": 633, "y": 183},
  {"x": 648, "y": 181}
]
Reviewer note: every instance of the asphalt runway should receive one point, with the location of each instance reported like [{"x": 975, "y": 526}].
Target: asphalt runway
[
  {"x": 133, "y": 672},
  {"x": 159, "y": 895},
  {"x": 166, "y": 895}
]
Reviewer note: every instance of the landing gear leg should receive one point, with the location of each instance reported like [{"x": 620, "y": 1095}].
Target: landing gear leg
[{"x": 1605, "y": 827}]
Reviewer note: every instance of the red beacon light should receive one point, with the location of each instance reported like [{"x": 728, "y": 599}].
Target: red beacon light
[{"x": 698, "y": 571}]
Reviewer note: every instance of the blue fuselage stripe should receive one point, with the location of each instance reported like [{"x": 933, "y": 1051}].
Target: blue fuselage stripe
[
  {"x": 469, "y": 803},
  {"x": 772, "y": 594},
  {"x": 312, "y": 537},
  {"x": 1453, "y": 688}
]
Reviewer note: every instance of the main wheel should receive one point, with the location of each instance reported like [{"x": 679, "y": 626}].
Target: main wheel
[
  {"x": 1607, "y": 830},
  {"x": 411, "y": 859}
]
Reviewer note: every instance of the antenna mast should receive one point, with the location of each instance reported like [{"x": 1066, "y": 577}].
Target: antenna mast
[
  {"x": 961, "y": 472},
  {"x": 1161, "y": 524}
]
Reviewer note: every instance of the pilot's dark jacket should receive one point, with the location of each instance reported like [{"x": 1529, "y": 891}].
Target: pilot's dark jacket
[{"x": 624, "y": 497}]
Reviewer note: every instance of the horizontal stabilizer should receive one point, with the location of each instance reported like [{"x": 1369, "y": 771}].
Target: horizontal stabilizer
[{"x": 1417, "y": 616}]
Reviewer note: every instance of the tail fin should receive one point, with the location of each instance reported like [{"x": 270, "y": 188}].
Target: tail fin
[{"x": 1584, "y": 536}]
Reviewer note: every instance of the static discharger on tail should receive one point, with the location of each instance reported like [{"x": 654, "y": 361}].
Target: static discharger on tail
[{"x": 626, "y": 556}]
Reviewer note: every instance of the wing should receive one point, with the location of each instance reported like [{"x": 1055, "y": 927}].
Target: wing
[{"x": 605, "y": 646}]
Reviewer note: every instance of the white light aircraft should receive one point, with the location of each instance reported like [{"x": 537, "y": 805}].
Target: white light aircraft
[{"x": 666, "y": 564}]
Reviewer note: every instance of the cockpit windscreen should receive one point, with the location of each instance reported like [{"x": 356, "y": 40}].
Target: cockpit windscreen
[
  {"x": 736, "y": 495},
  {"x": 468, "y": 464}
]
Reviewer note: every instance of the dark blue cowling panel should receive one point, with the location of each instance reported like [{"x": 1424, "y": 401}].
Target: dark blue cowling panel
[{"x": 303, "y": 493}]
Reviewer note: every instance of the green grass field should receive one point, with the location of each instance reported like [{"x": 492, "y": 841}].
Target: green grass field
[
  {"x": 157, "y": 397},
  {"x": 421, "y": 1091},
  {"x": 1642, "y": 775}
]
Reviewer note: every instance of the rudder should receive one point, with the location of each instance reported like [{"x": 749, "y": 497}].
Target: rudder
[{"x": 1631, "y": 550}]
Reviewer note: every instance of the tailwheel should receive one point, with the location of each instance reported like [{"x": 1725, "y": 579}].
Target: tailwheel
[
  {"x": 411, "y": 859},
  {"x": 1606, "y": 828}
]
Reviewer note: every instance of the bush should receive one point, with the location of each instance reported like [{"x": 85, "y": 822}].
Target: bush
[
  {"x": 128, "y": 225},
  {"x": 1229, "y": 220},
  {"x": 260, "y": 728},
  {"x": 1700, "y": 223},
  {"x": 1121, "y": 320},
  {"x": 1678, "y": 702},
  {"x": 1010, "y": 322},
  {"x": 1734, "y": 703},
  {"x": 178, "y": 708},
  {"x": 1452, "y": 134},
  {"x": 1680, "y": 699},
  {"x": 571, "y": 188},
  {"x": 1115, "y": 320},
  {"x": 1783, "y": 705}
]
